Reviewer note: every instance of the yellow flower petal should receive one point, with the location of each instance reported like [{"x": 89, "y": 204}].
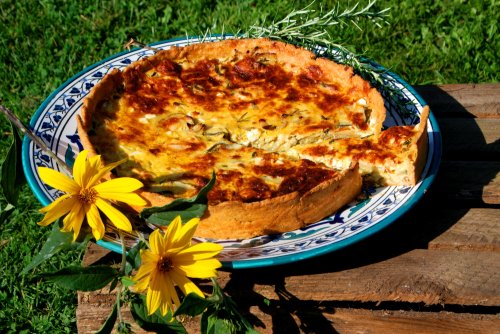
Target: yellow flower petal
[
  {"x": 141, "y": 285},
  {"x": 170, "y": 294},
  {"x": 200, "y": 251},
  {"x": 142, "y": 274},
  {"x": 149, "y": 263},
  {"x": 183, "y": 238},
  {"x": 102, "y": 172},
  {"x": 200, "y": 269},
  {"x": 153, "y": 300},
  {"x": 58, "y": 180},
  {"x": 73, "y": 221},
  {"x": 95, "y": 222},
  {"x": 119, "y": 185},
  {"x": 56, "y": 209},
  {"x": 185, "y": 284},
  {"x": 149, "y": 258},
  {"x": 94, "y": 163},
  {"x": 172, "y": 230},
  {"x": 157, "y": 242},
  {"x": 130, "y": 198},
  {"x": 117, "y": 218},
  {"x": 80, "y": 169}
]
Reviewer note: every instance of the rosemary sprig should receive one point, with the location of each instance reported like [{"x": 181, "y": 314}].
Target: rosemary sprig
[{"x": 308, "y": 25}]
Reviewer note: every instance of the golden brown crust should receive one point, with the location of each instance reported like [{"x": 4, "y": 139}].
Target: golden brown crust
[
  {"x": 238, "y": 220},
  {"x": 100, "y": 92},
  {"x": 421, "y": 146}
]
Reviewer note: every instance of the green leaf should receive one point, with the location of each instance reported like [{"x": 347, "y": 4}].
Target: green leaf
[
  {"x": 223, "y": 315},
  {"x": 212, "y": 323},
  {"x": 187, "y": 208},
  {"x": 82, "y": 278},
  {"x": 127, "y": 281},
  {"x": 193, "y": 305},
  {"x": 69, "y": 157},
  {"x": 114, "y": 284},
  {"x": 12, "y": 176},
  {"x": 155, "y": 322},
  {"x": 134, "y": 256},
  {"x": 5, "y": 212},
  {"x": 109, "y": 324},
  {"x": 56, "y": 242}
]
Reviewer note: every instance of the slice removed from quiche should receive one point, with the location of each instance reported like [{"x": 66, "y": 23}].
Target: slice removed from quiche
[{"x": 394, "y": 157}]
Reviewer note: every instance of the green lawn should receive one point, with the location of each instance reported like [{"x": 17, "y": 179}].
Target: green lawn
[{"x": 43, "y": 43}]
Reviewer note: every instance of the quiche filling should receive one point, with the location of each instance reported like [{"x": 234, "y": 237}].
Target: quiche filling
[{"x": 269, "y": 118}]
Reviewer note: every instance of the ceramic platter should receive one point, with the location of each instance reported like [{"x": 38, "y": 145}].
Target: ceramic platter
[{"x": 55, "y": 123}]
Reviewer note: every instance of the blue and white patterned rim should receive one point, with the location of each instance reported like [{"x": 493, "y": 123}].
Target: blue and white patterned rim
[{"x": 55, "y": 123}]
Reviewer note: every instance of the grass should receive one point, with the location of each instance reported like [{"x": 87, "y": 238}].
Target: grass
[{"x": 43, "y": 43}]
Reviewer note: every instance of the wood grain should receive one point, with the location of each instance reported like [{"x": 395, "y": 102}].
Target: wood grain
[
  {"x": 463, "y": 100},
  {"x": 289, "y": 316},
  {"x": 329, "y": 320},
  {"x": 478, "y": 230},
  {"x": 419, "y": 276}
]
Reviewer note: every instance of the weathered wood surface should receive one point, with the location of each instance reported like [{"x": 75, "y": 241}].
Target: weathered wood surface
[
  {"x": 463, "y": 100},
  {"x": 477, "y": 230},
  {"x": 329, "y": 320},
  {"x": 434, "y": 270}
]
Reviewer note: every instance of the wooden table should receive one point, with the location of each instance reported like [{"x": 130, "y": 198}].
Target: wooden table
[{"x": 435, "y": 270}]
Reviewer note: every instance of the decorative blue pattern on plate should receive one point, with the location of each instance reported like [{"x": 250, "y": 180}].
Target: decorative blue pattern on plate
[{"x": 55, "y": 123}]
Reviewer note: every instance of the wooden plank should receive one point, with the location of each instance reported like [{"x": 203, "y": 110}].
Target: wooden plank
[
  {"x": 321, "y": 318},
  {"x": 419, "y": 276},
  {"x": 478, "y": 230},
  {"x": 287, "y": 315},
  {"x": 470, "y": 138},
  {"x": 383, "y": 321},
  {"x": 430, "y": 225},
  {"x": 462, "y": 100},
  {"x": 93, "y": 309},
  {"x": 468, "y": 181}
]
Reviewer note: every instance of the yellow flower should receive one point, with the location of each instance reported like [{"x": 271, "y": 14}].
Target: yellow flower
[
  {"x": 85, "y": 195},
  {"x": 170, "y": 261}
]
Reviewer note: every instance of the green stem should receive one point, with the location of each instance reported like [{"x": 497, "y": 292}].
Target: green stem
[
  {"x": 124, "y": 253},
  {"x": 122, "y": 272},
  {"x": 118, "y": 306}
]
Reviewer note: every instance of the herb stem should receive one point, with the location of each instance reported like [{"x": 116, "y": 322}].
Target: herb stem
[
  {"x": 24, "y": 129},
  {"x": 122, "y": 273},
  {"x": 124, "y": 253},
  {"x": 133, "y": 42}
]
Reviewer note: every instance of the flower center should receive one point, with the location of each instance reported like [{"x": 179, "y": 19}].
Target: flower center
[
  {"x": 87, "y": 196},
  {"x": 165, "y": 264}
]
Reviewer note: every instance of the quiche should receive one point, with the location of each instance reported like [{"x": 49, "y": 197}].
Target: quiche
[{"x": 290, "y": 136}]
